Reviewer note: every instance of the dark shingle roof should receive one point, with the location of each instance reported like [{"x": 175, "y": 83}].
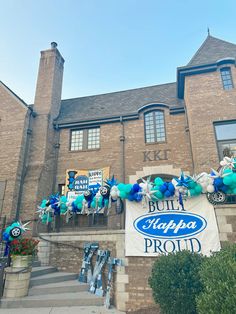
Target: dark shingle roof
[
  {"x": 117, "y": 104},
  {"x": 212, "y": 50}
]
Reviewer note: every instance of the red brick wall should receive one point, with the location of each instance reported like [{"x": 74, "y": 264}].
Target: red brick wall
[
  {"x": 207, "y": 102},
  {"x": 13, "y": 130},
  {"x": 175, "y": 150}
]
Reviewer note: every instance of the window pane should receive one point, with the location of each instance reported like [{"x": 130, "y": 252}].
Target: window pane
[
  {"x": 93, "y": 138},
  {"x": 160, "y": 127},
  {"x": 149, "y": 124},
  {"x": 226, "y": 131},
  {"x": 226, "y": 78},
  {"x": 76, "y": 140},
  {"x": 227, "y": 149},
  {"x": 154, "y": 127}
]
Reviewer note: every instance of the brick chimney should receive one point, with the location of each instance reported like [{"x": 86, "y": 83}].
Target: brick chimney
[{"x": 42, "y": 159}]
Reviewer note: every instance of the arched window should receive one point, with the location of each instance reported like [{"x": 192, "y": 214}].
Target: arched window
[{"x": 154, "y": 127}]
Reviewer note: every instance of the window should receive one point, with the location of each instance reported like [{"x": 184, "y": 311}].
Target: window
[
  {"x": 154, "y": 127},
  {"x": 226, "y": 78},
  {"x": 226, "y": 138},
  {"x": 85, "y": 139},
  {"x": 61, "y": 189}
]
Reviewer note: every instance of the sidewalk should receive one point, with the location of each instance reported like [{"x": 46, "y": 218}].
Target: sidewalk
[{"x": 62, "y": 310}]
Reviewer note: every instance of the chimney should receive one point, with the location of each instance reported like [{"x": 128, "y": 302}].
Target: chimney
[
  {"x": 40, "y": 176},
  {"x": 49, "y": 83}
]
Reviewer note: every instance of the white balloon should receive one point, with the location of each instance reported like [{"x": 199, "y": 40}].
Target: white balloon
[
  {"x": 204, "y": 184},
  {"x": 114, "y": 192},
  {"x": 174, "y": 182},
  {"x": 210, "y": 188},
  {"x": 142, "y": 184}
]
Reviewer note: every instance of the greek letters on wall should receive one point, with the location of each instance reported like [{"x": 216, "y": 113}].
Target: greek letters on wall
[{"x": 166, "y": 226}]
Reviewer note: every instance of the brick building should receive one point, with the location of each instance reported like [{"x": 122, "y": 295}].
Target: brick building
[
  {"x": 189, "y": 124},
  {"x": 177, "y": 124}
]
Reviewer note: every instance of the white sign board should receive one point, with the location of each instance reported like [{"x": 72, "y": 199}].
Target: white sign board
[{"x": 165, "y": 226}]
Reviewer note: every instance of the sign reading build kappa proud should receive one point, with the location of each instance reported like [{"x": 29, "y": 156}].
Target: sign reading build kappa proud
[{"x": 165, "y": 226}]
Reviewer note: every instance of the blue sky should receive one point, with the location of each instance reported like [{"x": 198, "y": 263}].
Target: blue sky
[{"x": 108, "y": 45}]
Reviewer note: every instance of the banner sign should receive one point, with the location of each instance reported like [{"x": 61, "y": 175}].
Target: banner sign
[
  {"x": 78, "y": 181},
  {"x": 166, "y": 226}
]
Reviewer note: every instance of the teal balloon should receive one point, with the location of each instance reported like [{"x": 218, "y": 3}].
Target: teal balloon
[
  {"x": 46, "y": 219},
  {"x": 79, "y": 205},
  {"x": 43, "y": 204},
  {"x": 128, "y": 188},
  {"x": 79, "y": 199},
  {"x": 192, "y": 184},
  {"x": 121, "y": 186},
  {"x": 228, "y": 180},
  {"x": 123, "y": 194},
  {"x": 227, "y": 171},
  {"x": 234, "y": 177},
  {"x": 100, "y": 201},
  {"x": 158, "y": 195},
  {"x": 234, "y": 191},
  {"x": 63, "y": 208},
  {"x": 158, "y": 181},
  {"x": 192, "y": 192},
  {"x": 198, "y": 189},
  {"x": 63, "y": 199},
  {"x": 93, "y": 204}
]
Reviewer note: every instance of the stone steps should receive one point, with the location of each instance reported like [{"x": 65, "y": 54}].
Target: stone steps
[
  {"x": 83, "y": 298},
  {"x": 60, "y": 287},
  {"x": 39, "y": 271},
  {"x": 52, "y": 278},
  {"x": 51, "y": 288}
]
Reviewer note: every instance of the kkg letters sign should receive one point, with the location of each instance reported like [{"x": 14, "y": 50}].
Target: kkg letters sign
[{"x": 165, "y": 226}]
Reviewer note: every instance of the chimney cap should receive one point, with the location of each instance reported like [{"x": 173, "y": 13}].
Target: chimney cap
[{"x": 53, "y": 45}]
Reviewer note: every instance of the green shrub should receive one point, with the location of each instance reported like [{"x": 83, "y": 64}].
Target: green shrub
[
  {"x": 218, "y": 276},
  {"x": 175, "y": 282}
]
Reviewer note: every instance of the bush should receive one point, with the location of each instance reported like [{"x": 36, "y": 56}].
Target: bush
[
  {"x": 218, "y": 276},
  {"x": 24, "y": 246},
  {"x": 175, "y": 282}
]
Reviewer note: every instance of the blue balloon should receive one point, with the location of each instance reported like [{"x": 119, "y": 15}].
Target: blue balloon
[
  {"x": 163, "y": 188},
  {"x": 224, "y": 188},
  {"x": 131, "y": 197},
  {"x": 74, "y": 207},
  {"x": 138, "y": 197},
  {"x": 5, "y": 236},
  {"x": 136, "y": 188},
  {"x": 218, "y": 182},
  {"x": 171, "y": 188},
  {"x": 167, "y": 193}
]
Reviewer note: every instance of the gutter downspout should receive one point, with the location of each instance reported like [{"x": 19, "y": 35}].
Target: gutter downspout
[
  {"x": 56, "y": 148},
  {"x": 24, "y": 168},
  {"x": 122, "y": 165},
  {"x": 189, "y": 136}
]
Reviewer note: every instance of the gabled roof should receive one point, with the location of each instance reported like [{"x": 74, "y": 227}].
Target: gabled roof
[
  {"x": 212, "y": 50},
  {"x": 123, "y": 103},
  {"x": 21, "y": 101}
]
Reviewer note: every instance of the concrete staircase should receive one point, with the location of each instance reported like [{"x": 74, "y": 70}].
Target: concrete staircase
[{"x": 51, "y": 288}]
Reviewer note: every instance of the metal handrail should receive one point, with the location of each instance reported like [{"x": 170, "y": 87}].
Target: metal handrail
[{"x": 56, "y": 242}]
